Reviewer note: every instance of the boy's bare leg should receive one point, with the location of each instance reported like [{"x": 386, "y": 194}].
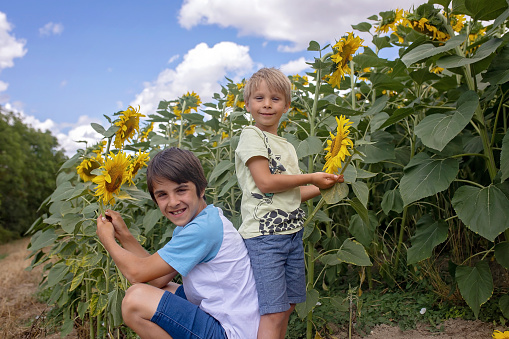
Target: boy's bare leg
[
  {"x": 274, "y": 325},
  {"x": 139, "y": 305}
]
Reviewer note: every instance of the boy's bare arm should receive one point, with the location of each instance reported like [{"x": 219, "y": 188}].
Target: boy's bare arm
[
  {"x": 275, "y": 183},
  {"x": 135, "y": 268}
]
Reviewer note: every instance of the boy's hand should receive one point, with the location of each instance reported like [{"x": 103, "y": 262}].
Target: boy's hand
[
  {"x": 105, "y": 229},
  {"x": 325, "y": 180},
  {"x": 118, "y": 223}
]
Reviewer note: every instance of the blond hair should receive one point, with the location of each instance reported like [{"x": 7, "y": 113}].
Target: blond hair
[{"x": 275, "y": 80}]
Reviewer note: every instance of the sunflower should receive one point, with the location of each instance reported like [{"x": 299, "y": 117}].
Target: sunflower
[
  {"x": 87, "y": 166},
  {"x": 190, "y": 130},
  {"x": 436, "y": 70},
  {"x": 337, "y": 147},
  {"x": 499, "y": 335},
  {"x": 144, "y": 134},
  {"x": 129, "y": 124},
  {"x": 390, "y": 20},
  {"x": 457, "y": 22},
  {"x": 344, "y": 50},
  {"x": 190, "y": 101},
  {"x": 139, "y": 162},
  {"x": 115, "y": 173},
  {"x": 236, "y": 93}
]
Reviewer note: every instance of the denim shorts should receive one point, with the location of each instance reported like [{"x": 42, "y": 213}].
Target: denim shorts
[
  {"x": 183, "y": 319},
  {"x": 279, "y": 270}
]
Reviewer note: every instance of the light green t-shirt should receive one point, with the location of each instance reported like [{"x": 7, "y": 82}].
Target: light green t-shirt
[{"x": 264, "y": 214}]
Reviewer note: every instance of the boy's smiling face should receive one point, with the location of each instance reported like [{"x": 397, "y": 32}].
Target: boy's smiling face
[
  {"x": 178, "y": 202},
  {"x": 266, "y": 106}
]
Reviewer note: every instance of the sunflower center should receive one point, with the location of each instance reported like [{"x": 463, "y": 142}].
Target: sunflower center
[
  {"x": 335, "y": 146},
  {"x": 93, "y": 165},
  {"x": 116, "y": 175}
]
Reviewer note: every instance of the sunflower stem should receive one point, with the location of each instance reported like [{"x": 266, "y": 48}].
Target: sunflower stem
[
  {"x": 352, "y": 83},
  {"x": 181, "y": 122}
]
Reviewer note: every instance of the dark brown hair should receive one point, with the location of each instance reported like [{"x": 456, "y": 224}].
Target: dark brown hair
[{"x": 177, "y": 165}]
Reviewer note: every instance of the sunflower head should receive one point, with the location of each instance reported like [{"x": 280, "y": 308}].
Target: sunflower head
[
  {"x": 235, "y": 93},
  {"x": 114, "y": 174},
  {"x": 128, "y": 123},
  {"x": 499, "y": 335},
  {"x": 138, "y": 163},
  {"x": 144, "y": 134},
  {"x": 343, "y": 50},
  {"x": 190, "y": 130},
  {"x": 338, "y": 147},
  {"x": 87, "y": 166}
]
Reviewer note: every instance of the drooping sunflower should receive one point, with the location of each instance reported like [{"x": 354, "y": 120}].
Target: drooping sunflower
[
  {"x": 390, "y": 20},
  {"x": 190, "y": 130},
  {"x": 115, "y": 173},
  {"x": 457, "y": 22},
  {"x": 337, "y": 147},
  {"x": 190, "y": 101},
  {"x": 87, "y": 166},
  {"x": 138, "y": 163},
  {"x": 235, "y": 93},
  {"x": 344, "y": 50},
  {"x": 499, "y": 335},
  {"x": 144, "y": 134},
  {"x": 129, "y": 124}
]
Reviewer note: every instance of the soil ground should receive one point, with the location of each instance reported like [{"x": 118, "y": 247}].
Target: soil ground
[{"x": 21, "y": 312}]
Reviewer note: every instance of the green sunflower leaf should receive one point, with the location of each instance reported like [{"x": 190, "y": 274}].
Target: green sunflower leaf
[
  {"x": 336, "y": 193},
  {"x": 504, "y": 158},
  {"x": 362, "y": 232},
  {"x": 475, "y": 284},
  {"x": 425, "y": 176},
  {"x": 428, "y": 235},
  {"x": 425, "y": 51},
  {"x": 392, "y": 201},
  {"x": 437, "y": 130},
  {"x": 504, "y": 305},
  {"x": 502, "y": 253},
  {"x": 352, "y": 252},
  {"x": 304, "y": 308},
  {"x": 484, "y": 211}
]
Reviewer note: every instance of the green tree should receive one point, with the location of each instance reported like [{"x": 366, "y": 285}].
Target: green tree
[{"x": 29, "y": 160}]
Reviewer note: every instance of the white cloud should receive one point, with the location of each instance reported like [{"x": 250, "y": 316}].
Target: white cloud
[
  {"x": 296, "y": 21},
  {"x": 69, "y": 135},
  {"x": 10, "y": 47},
  {"x": 173, "y": 58},
  {"x": 51, "y": 29},
  {"x": 202, "y": 70},
  {"x": 295, "y": 66}
]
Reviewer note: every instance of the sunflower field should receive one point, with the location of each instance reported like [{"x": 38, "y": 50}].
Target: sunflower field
[{"x": 421, "y": 138}]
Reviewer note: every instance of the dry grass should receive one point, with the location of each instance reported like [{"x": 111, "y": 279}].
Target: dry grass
[{"x": 18, "y": 305}]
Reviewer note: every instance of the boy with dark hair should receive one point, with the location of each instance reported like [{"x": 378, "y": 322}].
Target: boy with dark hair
[
  {"x": 273, "y": 188},
  {"x": 217, "y": 298}
]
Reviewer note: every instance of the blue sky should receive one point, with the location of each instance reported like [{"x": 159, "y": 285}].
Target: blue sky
[{"x": 63, "y": 64}]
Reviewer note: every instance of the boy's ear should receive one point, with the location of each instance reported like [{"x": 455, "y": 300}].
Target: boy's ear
[{"x": 246, "y": 103}]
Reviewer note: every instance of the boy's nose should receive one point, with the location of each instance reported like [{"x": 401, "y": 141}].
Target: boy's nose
[{"x": 266, "y": 103}]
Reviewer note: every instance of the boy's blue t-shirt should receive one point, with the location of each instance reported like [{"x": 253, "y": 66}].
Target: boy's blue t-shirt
[{"x": 195, "y": 243}]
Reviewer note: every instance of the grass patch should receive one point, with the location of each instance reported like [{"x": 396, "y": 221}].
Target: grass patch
[{"x": 404, "y": 309}]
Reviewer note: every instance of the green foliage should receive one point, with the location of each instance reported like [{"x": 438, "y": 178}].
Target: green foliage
[{"x": 29, "y": 160}]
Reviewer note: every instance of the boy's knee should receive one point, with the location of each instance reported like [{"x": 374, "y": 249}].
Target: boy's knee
[{"x": 133, "y": 297}]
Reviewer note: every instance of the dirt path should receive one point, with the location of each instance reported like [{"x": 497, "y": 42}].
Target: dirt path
[{"x": 19, "y": 307}]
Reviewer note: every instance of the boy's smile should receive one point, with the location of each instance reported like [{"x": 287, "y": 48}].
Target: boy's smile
[
  {"x": 178, "y": 202},
  {"x": 267, "y": 106}
]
